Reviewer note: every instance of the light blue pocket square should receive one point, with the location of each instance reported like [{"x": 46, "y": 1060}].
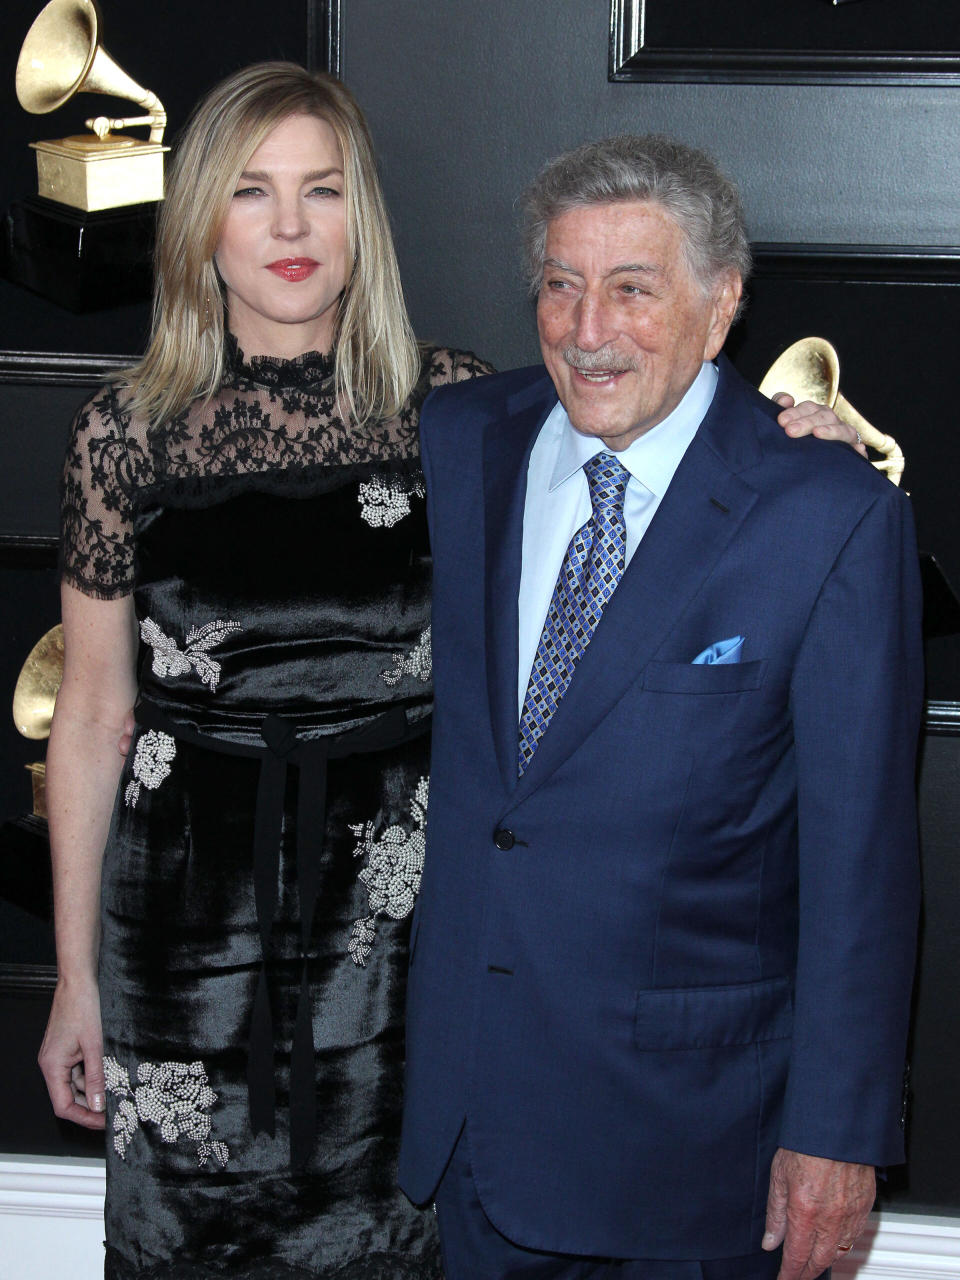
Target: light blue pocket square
[{"x": 722, "y": 651}]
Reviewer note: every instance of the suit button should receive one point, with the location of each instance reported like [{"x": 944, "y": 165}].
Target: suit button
[{"x": 503, "y": 838}]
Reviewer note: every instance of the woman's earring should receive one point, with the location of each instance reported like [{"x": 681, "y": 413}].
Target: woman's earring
[{"x": 206, "y": 315}]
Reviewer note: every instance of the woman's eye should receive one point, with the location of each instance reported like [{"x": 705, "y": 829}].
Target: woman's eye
[
  {"x": 323, "y": 191},
  {"x": 248, "y": 191}
]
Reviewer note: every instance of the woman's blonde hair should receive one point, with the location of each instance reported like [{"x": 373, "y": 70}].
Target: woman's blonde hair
[{"x": 377, "y": 362}]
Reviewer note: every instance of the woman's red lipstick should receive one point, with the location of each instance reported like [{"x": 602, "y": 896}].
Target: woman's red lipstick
[{"x": 293, "y": 269}]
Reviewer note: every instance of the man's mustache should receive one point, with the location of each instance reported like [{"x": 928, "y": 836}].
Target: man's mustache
[{"x": 602, "y": 361}]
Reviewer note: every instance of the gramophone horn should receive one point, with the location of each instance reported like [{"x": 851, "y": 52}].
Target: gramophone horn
[
  {"x": 810, "y": 370},
  {"x": 38, "y": 685},
  {"x": 62, "y": 55}
]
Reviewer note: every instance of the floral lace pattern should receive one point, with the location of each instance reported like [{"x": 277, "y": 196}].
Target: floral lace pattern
[
  {"x": 268, "y": 417},
  {"x": 169, "y": 661},
  {"x": 393, "y": 871},
  {"x": 104, "y": 467},
  {"x": 155, "y": 753},
  {"x": 384, "y": 501},
  {"x": 417, "y": 663},
  {"x": 303, "y": 373},
  {"x": 174, "y": 1096}
]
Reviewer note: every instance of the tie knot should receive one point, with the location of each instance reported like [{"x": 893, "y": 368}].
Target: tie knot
[{"x": 607, "y": 479}]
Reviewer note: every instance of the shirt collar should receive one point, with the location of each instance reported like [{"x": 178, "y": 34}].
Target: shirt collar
[{"x": 653, "y": 457}]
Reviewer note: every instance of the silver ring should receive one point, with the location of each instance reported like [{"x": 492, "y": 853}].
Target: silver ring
[{"x": 859, "y": 437}]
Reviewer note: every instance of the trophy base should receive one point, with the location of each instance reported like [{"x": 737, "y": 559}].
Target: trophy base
[
  {"x": 38, "y": 777},
  {"x": 81, "y": 261},
  {"x": 92, "y": 174}
]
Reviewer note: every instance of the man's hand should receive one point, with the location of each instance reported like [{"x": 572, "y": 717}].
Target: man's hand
[
  {"x": 816, "y": 1209},
  {"x": 808, "y": 418}
]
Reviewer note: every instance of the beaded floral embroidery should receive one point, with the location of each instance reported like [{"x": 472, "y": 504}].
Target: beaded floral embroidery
[
  {"x": 175, "y": 1096},
  {"x": 417, "y": 663},
  {"x": 393, "y": 871},
  {"x": 151, "y": 763},
  {"x": 169, "y": 661},
  {"x": 385, "y": 501}
]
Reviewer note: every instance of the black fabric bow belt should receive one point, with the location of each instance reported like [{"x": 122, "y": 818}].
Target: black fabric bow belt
[{"x": 281, "y": 748}]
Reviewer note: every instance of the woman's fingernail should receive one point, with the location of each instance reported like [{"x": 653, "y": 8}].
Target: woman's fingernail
[{"x": 98, "y": 1102}]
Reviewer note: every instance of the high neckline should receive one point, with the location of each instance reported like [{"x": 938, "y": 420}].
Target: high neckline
[{"x": 306, "y": 372}]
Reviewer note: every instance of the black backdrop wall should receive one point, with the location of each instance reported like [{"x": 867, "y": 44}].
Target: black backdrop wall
[{"x": 466, "y": 101}]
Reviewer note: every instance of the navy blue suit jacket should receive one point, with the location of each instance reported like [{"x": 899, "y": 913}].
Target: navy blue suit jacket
[{"x": 700, "y": 945}]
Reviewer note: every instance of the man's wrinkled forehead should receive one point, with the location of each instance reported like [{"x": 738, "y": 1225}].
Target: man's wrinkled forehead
[
  {"x": 654, "y": 270},
  {"x": 595, "y": 213}
]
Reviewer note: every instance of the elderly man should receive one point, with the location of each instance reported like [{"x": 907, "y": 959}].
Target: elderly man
[{"x": 662, "y": 958}]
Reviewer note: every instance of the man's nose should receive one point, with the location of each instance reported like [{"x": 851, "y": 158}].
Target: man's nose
[{"x": 594, "y": 322}]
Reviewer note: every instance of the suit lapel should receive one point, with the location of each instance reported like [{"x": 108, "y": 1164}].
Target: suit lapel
[
  {"x": 507, "y": 447},
  {"x": 701, "y": 511}
]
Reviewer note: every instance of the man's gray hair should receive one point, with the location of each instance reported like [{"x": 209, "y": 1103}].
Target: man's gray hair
[{"x": 685, "y": 182}]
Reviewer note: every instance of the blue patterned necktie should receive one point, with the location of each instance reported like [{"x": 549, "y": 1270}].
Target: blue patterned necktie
[{"x": 588, "y": 578}]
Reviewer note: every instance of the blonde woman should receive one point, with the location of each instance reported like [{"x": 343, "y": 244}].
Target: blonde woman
[{"x": 245, "y": 556}]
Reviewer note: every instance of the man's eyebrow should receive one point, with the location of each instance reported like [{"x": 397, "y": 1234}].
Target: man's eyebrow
[
  {"x": 559, "y": 265},
  {"x": 645, "y": 268}
]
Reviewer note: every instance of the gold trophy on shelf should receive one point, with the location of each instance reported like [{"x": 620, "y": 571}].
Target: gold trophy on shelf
[
  {"x": 86, "y": 240},
  {"x": 103, "y": 169},
  {"x": 33, "y": 702}
]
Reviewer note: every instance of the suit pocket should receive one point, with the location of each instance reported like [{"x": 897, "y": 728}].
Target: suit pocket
[
  {"x": 711, "y": 1017},
  {"x": 714, "y": 677}
]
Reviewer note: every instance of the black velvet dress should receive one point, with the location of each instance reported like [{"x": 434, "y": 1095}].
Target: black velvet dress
[{"x": 267, "y": 839}]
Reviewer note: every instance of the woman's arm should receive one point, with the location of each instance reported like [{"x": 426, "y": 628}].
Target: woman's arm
[{"x": 83, "y": 769}]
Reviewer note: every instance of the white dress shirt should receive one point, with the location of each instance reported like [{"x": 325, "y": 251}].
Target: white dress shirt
[{"x": 557, "y": 502}]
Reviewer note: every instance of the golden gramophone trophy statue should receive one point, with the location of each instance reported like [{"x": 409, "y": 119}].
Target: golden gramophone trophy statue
[
  {"x": 24, "y": 840},
  {"x": 103, "y": 169},
  {"x": 85, "y": 240},
  {"x": 33, "y": 702},
  {"x": 809, "y": 369}
]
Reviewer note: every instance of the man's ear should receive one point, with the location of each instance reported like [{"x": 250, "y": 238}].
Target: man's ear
[{"x": 726, "y": 298}]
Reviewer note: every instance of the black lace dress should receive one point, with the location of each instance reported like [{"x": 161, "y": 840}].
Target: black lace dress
[{"x": 267, "y": 838}]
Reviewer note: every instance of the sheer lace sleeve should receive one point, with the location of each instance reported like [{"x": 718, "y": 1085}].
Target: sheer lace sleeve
[
  {"x": 103, "y": 467},
  {"x": 448, "y": 365}
]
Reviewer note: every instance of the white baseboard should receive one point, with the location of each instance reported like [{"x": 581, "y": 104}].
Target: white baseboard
[
  {"x": 51, "y": 1218},
  {"x": 902, "y": 1246},
  {"x": 51, "y": 1213}
]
